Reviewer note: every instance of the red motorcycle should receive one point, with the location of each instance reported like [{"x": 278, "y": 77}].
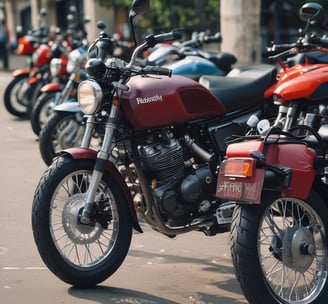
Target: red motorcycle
[
  {"x": 27, "y": 81},
  {"x": 23, "y": 90},
  {"x": 279, "y": 229}
]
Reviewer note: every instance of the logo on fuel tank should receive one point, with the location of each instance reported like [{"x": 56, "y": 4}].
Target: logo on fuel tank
[{"x": 143, "y": 100}]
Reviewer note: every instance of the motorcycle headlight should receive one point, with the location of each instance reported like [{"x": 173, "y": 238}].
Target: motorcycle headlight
[
  {"x": 55, "y": 66},
  {"x": 74, "y": 61},
  {"x": 89, "y": 95},
  {"x": 35, "y": 57}
]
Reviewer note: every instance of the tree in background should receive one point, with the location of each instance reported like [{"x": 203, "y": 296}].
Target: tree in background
[
  {"x": 247, "y": 26},
  {"x": 196, "y": 15}
]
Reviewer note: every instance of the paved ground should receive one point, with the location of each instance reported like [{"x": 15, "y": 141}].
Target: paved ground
[{"x": 188, "y": 269}]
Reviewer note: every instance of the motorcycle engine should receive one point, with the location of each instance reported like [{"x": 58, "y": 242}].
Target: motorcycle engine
[{"x": 179, "y": 187}]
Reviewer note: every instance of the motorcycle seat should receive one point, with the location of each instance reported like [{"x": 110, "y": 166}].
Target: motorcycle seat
[
  {"x": 222, "y": 60},
  {"x": 243, "y": 87}
]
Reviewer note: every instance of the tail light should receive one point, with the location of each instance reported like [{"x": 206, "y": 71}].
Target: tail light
[{"x": 238, "y": 167}]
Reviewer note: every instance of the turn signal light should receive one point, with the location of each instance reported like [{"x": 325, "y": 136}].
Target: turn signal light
[{"x": 238, "y": 167}]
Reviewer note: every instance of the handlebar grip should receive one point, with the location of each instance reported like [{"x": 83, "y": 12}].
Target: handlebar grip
[
  {"x": 173, "y": 35},
  {"x": 278, "y": 48},
  {"x": 215, "y": 38},
  {"x": 154, "y": 70}
]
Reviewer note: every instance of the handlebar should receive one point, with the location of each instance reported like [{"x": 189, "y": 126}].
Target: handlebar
[
  {"x": 304, "y": 44},
  {"x": 154, "y": 70},
  {"x": 152, "y": 40},
  {"x": 214, "y": 38}
]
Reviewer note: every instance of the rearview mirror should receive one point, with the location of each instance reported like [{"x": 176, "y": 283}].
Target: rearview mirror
[
  {"x": 140, "y": 6},
  {"x": 313, "y": 13}
]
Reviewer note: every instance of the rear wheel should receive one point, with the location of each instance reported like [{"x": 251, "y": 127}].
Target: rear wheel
[
  {"x": 279, "y": 250},
  {"x": 79, "y": 254}
]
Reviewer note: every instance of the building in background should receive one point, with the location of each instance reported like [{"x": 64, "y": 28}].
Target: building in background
[
  {"x": 279, "y": 18},
  {"x": 24, "y": 15}
]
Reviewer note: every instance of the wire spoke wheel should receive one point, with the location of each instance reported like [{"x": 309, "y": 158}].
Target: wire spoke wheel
[
  {"x": 292, "y": 250},
  {"x": 279, "y": 249},
  {"x": 82, "y": 245},
  {"x": 80, "y": 254}
]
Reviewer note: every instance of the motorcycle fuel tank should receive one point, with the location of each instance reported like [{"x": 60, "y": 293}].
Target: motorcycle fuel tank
[
  {"x": 310, "y": 83},
  {"x": 153, "y": 102}
]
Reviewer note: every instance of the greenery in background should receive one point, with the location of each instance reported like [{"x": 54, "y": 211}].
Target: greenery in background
[
  {"x": 168, "y": 14},
  {"x": 195, "y": 15}
]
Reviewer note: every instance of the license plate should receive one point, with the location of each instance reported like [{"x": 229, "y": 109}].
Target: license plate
[{"x": 241, "y": 188}]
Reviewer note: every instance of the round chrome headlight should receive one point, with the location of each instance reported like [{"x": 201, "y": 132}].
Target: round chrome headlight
[
  {"x": 89, "y": 95},
  {"x": 55, "y": 66},
  {"x": 35, "y": 57},
  {"x": 74, "y": 61}
]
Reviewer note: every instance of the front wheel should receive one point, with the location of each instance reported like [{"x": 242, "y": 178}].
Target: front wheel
[
  {"x": 80, "y": 255},
  {"x": 279, "y": 250},
  {"x": 14, "y": 100},
  {"x": 61, "y": 131},
  {"x": 42, "y": 110}
]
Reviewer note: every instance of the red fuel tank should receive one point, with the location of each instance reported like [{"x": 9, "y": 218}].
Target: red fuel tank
[
  {"x": 153, "y": 102},
  {"x": 310, "y": 83}
]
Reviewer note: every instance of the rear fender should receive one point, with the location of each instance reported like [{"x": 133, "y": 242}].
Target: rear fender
[
  {"x": 302, "y": 166},
  {"x": 86, "y": 153}
]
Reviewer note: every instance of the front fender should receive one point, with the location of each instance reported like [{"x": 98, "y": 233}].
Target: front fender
[
  {"x": 21, "y": 72},
  {"x": 86, "y": 153},
  {"x": 69, "y": 106},
  {"x": 51, "y": 87}
]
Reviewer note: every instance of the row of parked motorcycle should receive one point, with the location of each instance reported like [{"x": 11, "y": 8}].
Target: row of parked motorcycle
[
  {"x": 187, "y": 142},
  {"x": 45, "y": 91}
]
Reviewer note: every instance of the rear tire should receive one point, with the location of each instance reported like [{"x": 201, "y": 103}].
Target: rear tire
[{"x": 279, "y": 250}]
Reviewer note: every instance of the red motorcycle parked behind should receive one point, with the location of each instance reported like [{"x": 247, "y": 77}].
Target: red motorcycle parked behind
[
  {"x": 279, "y": 229},
  {"x": 27, "y": 81}
]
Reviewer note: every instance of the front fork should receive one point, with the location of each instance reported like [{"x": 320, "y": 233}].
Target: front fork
[{"x": 102, "y": 157}]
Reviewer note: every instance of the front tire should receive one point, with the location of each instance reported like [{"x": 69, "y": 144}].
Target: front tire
[
  {"x": 80, "y": 255},
  {"x": 279, "y": 250},
  {"x": 14, "y": 100},
  {"x": 60, "y": 132},
  {"x": 42, "y": 110}
]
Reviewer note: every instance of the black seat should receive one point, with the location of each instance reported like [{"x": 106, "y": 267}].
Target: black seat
[{"x": 242, "y": 87}]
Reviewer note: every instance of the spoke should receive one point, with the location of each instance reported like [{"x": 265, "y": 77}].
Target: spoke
[
  {"x": 294, "y": 287},
  {"x": 272, "y": 224},
  {"x": 284, "y": 218},
  {"x": 77, "y": 254},
  {"x": 87, "y": 254}
]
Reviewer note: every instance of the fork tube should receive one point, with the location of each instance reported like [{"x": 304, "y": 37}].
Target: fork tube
[
  {"x": 89, "y": 127},
  {"x": 100, "y": 166}
]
